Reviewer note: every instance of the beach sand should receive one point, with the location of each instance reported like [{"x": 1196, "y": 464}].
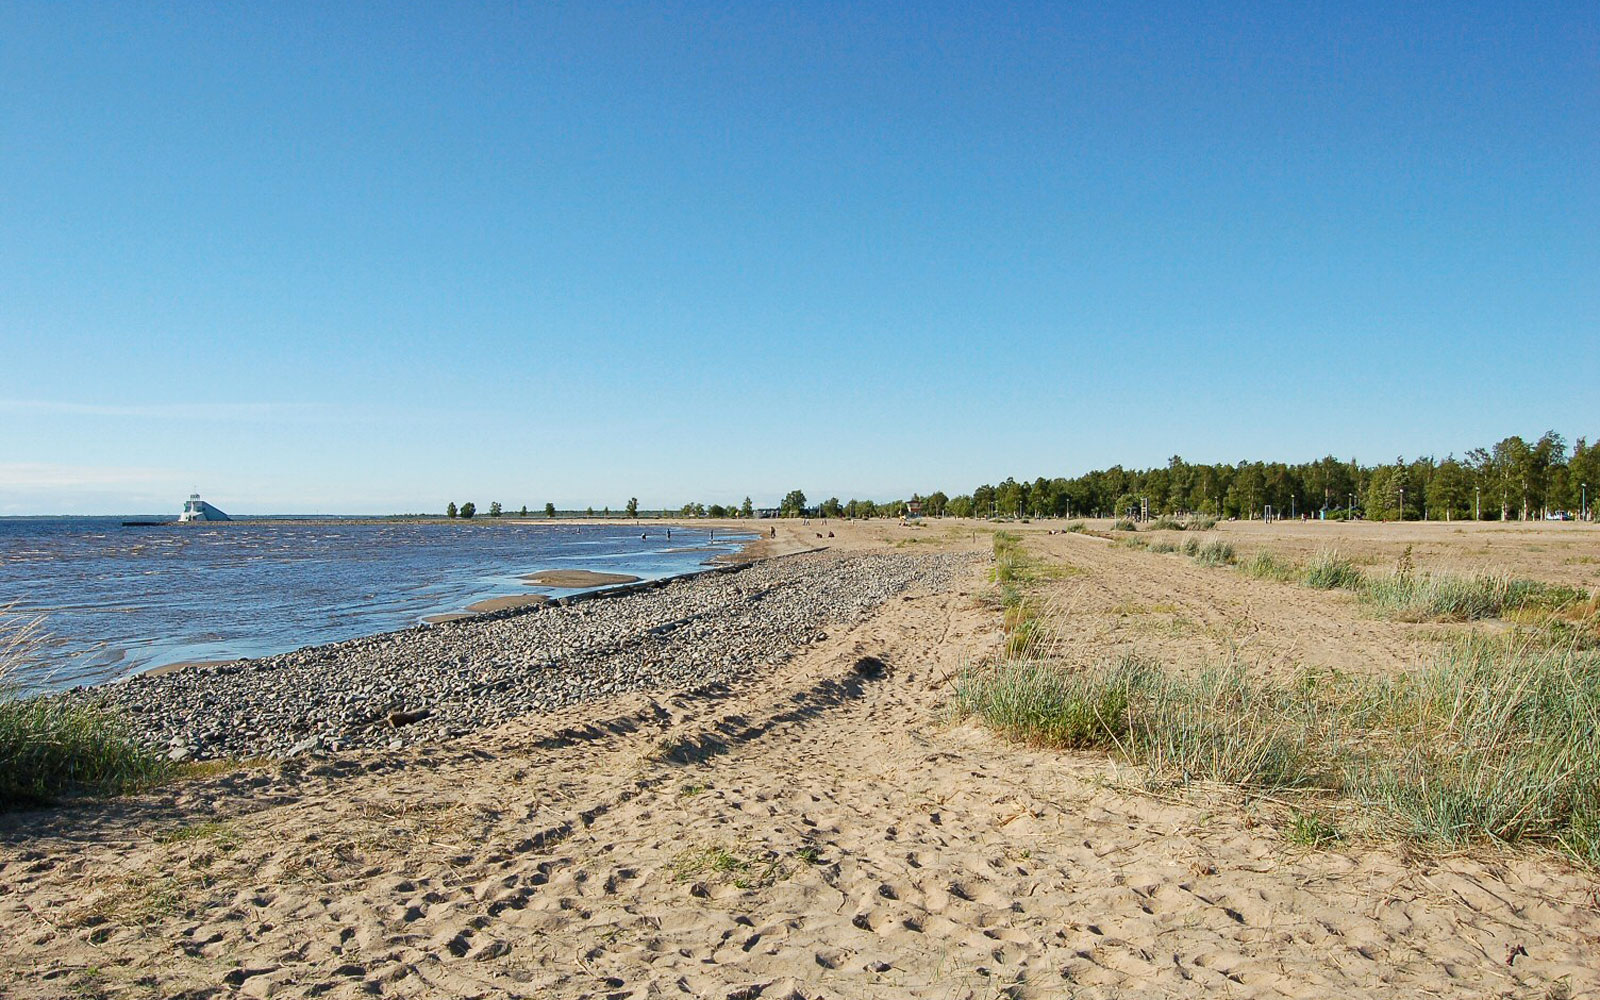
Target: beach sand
[
  {"x": 576, "y": 578},
  {"x": 826, "y": 831},
  {"x": 503, "y": 603}
]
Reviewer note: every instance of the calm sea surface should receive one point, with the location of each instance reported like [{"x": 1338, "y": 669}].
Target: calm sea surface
[{"x": 119, "y": 600}]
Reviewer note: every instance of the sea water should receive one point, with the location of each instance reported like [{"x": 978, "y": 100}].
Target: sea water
[{"x": 117, "y": 600}]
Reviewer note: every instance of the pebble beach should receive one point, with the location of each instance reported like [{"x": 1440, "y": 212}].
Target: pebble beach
[{"x": 436, "y": 682}]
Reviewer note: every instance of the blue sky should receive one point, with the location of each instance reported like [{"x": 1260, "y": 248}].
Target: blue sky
[{"x": 335, "y": 257}]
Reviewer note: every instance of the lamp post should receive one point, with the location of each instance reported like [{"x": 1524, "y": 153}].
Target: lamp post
[
  {"x": 1584, "y": 510},
  {"x": 1350, "y": 512},
  {"x": 1477, "y": 503},
  {"x": 1402, "y": 503}
]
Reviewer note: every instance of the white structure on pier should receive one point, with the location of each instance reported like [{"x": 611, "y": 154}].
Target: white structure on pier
[{"x": 197, "y": 509}]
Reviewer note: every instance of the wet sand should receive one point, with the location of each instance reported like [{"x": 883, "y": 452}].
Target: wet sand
[
  {"x": 502, "y": 603},
  {"x": 573, "y": 579}
]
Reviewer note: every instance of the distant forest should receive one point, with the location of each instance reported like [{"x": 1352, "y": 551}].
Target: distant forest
[{"x": 1514, "y": 479}]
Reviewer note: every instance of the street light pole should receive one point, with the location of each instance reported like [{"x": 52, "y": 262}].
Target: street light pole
[
  {"x": 1477, "y": 503},
  {"x": 1350, "y": 512},
  {"x": 1585, "y": 509},
  {"x": 1402, "y": 503}
]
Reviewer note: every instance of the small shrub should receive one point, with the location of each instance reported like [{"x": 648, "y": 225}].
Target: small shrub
[
  {"x": 1163, "y": 546},
  {"x": 1201, "y": 522},
  {"x": 1165, "y": 523},
  {"x": 1077, "y": 527},
  {"x": 1123, "y": 524},
  {"x": 1330, "y": 571}
]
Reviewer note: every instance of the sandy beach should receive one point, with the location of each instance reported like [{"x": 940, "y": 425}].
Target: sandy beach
[{"x": 819, "y": 827}]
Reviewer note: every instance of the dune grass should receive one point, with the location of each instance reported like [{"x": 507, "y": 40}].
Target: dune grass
[
  {"x": 1201, "y": 522},
  {"x": 1264, "y": 565},
  {"x": 1013, "y": 569},
  {"x": 1496, "y": 741},
  {"x": 51, "y": 747},
  {"x": 1213, "y": 553},
  {"x": 1076, "y": 527},
  {"x": 1407, "y": 594},
  {"x": 1123, "y": 524},
  {"x": 1165, "y": 523},
  {"x": 1330, "y": 571}
]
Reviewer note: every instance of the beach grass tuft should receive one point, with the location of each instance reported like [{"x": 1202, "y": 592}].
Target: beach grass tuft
[
  {"x": 1264, "y": 565},
  {"x": 1213, "y": 553},
  {"x": 1165, "y": 523},
  {"x": 1123, "y": 524},
  {"x": 1328, "y": 570},
  {"x": 52, "y": 747},
  {"x": 1498, "y": 740},
  {"x": 1407, "y": 594},
  {"x": 1201, "y": 522}
]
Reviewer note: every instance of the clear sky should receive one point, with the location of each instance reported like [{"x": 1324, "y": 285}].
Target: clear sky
[{"x": 344, "y": 257}]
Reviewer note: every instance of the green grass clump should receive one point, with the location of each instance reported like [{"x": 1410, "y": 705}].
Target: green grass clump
[
  {"x": 1163, "y": 546},
  {"x": 1038, "y": 702},
  {"x": 1497, "y": 741},
  {"x": 1165, "y": 523},
  {"x": 1123, "y": 524},
  {"x": 1077, "y": 527},
  {"x": 1330, "y": 571},
  {"x": 1312, "y": 829},
  {"x": 1447, "y": 597},
  {"x": 51, "y": 746},
  {"x": 1210, "y": 727},
  {"x": 1266, "y": 566},
  {"x": 1213, "y": 553},
  {"x": 1011, "y": 563},
  {"x": 1201, "y": 522}
]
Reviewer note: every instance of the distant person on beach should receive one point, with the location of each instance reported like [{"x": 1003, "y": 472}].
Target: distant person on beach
[{"x": 774, "y": 531}]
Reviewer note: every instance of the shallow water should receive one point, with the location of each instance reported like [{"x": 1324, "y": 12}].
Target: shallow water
[{"x": 120, "y": 600}]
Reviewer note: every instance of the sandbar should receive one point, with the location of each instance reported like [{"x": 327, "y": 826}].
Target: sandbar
[
  {"x": 575, "y": 578},
  {"x": 453, "y": 616},
  {"x": 502, "y": 603},
  {"x": 186, "y": 665}
]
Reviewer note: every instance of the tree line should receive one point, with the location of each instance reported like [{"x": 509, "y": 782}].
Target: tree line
[{"x": 1513, "y": 479}]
